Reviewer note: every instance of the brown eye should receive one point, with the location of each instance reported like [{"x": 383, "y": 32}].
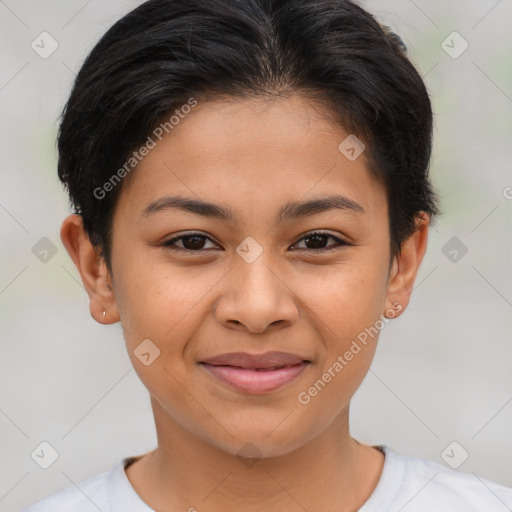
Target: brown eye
[
  {"x": 193, "y": 242},
  {"x": 317, "y": 241}
]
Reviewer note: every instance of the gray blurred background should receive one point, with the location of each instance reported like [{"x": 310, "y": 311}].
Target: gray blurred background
[{"x": 441, "y": 383}]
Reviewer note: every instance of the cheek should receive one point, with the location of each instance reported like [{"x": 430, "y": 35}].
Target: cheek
[
  {"x": 166, "y": 305},
  {"x": 159, "y": 315},
  {"x": 156, "y": 296},
  {"x": 350, "y": 296},
  {"x": 349, "y": 304}
]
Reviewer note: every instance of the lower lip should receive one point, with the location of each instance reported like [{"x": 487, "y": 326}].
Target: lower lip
[{"x": 255, "y": 381}]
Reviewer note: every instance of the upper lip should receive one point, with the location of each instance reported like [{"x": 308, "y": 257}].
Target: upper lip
[{"x": 250, "y": 361}]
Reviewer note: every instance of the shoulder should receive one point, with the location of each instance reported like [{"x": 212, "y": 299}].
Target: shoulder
[
  {"x": 423, "y": 485},
  {"x": 89, "y": 495}
]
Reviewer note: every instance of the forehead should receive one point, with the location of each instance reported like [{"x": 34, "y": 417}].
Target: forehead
[{"x": 268, "y": 151}]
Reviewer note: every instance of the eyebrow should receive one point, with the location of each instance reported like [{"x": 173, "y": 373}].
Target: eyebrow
[{"x": 289, "y": 211}]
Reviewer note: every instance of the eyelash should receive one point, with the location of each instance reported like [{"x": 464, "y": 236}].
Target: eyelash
[{"x": 339, "y": 242}]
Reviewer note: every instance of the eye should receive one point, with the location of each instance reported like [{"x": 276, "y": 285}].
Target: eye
[
  {"x": 193, "y": 242},
  {"x": 318, "y": 239}
]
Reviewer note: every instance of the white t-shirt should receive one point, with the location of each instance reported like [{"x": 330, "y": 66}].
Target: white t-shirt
[{"x": 406, "y": 484}]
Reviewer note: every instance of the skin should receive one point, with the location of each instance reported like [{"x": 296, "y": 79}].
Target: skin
[{"x": 253, "y": 156}]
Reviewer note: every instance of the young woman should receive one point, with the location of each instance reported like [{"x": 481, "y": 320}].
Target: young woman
[{"x": 252, "y": 204}]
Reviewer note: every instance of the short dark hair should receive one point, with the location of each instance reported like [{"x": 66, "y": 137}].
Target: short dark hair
[{"x": 162, "y": 53}]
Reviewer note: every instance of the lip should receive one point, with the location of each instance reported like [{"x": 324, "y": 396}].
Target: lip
[
  {"x": 248, "y": 361},
  {"x": 256, "y": 373}
]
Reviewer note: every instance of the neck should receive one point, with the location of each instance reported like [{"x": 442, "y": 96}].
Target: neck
[{"x": 185, "y": 472}]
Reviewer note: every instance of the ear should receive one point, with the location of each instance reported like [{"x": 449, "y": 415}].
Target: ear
[
  {"x": 405, "y": 267},
  {"x": 92, "y": 269}
]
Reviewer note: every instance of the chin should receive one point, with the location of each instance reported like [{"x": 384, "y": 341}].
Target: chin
[{"x": 259, "y": 443}]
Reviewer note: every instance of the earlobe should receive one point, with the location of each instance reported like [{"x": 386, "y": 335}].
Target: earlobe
[
  {"x": 405, "y": 267},
  {"x": 92, "y": 269}
]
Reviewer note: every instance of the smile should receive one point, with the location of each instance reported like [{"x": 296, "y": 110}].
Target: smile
[{"x": 256, "y": 380}]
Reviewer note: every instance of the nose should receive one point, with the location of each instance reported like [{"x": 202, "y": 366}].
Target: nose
[{"x": 255, "y": 297}]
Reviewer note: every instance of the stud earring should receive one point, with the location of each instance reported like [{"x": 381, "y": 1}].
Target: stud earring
[{"x": 104, "y": 313}]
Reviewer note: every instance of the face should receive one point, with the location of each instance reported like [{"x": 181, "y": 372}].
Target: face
[{"x": 252, "y": 272}]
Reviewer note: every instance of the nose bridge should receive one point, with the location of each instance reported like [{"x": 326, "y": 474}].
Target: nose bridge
[
  {"x": 256, "y": 272},
  {"x": 257, "y": 295}
]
